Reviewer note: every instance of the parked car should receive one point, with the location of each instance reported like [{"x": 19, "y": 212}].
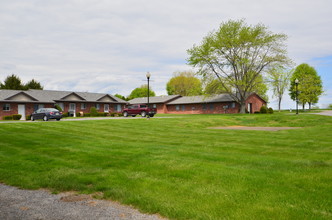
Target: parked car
[
  {"x": 46, "y": 114},
  {"x": 139, "y": 109}
]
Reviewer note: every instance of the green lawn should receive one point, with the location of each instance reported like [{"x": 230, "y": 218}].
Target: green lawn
[{"x": 177, "y": 167}]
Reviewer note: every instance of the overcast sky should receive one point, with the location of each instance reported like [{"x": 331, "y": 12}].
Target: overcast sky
[{"x": 108, "y": 46}]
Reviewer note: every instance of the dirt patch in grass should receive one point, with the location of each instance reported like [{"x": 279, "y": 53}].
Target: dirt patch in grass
[
  {"x": 255, "y": 128},
  {"x": 74, "y": 197}
]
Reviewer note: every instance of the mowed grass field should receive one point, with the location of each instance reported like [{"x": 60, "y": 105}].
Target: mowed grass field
[{"x": 179, "y": 168}]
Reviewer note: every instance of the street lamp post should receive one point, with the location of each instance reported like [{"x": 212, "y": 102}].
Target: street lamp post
[
  {"x": 297, "y": 98},
  {"x": 148, "y": 75}
]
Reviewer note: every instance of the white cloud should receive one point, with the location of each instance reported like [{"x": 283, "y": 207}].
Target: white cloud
[{"x": 107, "y": 46}]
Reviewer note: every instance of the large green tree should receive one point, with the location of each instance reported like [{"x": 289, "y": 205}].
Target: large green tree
[
  {"x": 237, "y": 54},
  {"x": 15, "y": 83},
  {"x": 141, "y": 91},
  {"x": 33, "y": 84},
  {"x": 213, "y": 86},
  {"x": 278, "y": 78},
  {"x": 310, "y": 85},
  {"x": 185, "y": 84},
  {"x": 121, "y": 97},
  {"x": 12, "y": 82}
]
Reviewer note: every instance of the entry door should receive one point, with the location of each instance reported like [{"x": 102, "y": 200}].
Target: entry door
[
  {"x": 21, "y": 111},
  {"x": 106, "y": 107},
  {"x": 250, "y": 108}
]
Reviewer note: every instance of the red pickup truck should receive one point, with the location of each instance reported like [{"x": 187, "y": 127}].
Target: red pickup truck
[{"x": 139, "y": 109}]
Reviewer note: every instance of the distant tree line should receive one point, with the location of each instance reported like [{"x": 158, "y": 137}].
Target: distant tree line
[{"x": 15, "y": 83}]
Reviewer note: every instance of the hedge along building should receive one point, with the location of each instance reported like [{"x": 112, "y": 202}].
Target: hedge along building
[
  {"x": 217, "y": 104},
  {"x": 26, "y": 102}
]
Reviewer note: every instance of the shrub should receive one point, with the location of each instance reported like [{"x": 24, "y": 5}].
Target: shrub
[
  {"x": 28, "y": 117},
  {"x": 17, "y": 116},
  {"x": 113, "y": 114},
  {"x": 86, "y": 115},
  {"x": 78, "y": 114},
  {"x": 270, "y": 110},
  {"x": 120, "y": 114},
  {"x": 65, "y": 114},
  {"x": 93, "y": 111},
  {"x": 102, "y": 114},
  {"x": 56, "y": 106},
  {"x": 257, "y": 112},
  {"x": 7, "y": 117},
  {"x": 263, "y": 109}
]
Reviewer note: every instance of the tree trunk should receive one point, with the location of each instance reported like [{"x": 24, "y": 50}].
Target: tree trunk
[
  {"x": 303, "y": 104},
  {"x": 309, "y": 106},
  {"x": 279, "y": 104},
  {"x": 243, "y": 108}
]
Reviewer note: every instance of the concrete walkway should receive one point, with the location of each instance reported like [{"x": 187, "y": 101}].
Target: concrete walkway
[
  {"x": 327, "y": 113},
  {"x": 84, "y": 119}
]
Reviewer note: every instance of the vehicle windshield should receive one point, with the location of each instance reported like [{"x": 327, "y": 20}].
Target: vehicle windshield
[{"x": 47, "y": 110}]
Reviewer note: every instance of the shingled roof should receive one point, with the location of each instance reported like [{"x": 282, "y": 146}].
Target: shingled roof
[
  {"x": 202, "y": 99},
  {"x": 154, "y": 99},
  {"x": 51, "y": 96}
]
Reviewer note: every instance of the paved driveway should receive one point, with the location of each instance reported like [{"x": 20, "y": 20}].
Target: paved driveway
[
  {"x": 327, "y": 113},
  {"x": 84, "y": 119},
  {"x": 39, "y": 204}
]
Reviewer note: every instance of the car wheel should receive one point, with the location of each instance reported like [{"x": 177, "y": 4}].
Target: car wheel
[
  {"x": 143, "y": 114},
  {"x": 125, "y": 114},
  {"x": 45, "y": 118},
  {"x": 32, "y": 118},
  {"x": 151, "y": 115},
  {"x": 58, "y": 119},
  {"x": 133, "y": 115}
]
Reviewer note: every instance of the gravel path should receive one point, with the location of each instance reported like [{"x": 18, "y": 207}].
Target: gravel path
[
  {"x": 40, "y": 204},
  {"x": 327, "y": 113}
]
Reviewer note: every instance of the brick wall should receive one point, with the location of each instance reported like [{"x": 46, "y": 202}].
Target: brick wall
[
  {"x": 13, "y": 110},
  {"x": 209, "y": 108},
  {"x": 29, "y": 108},
  {"x": 88, "y": 106},
  {"x": 256, "y": 103}
]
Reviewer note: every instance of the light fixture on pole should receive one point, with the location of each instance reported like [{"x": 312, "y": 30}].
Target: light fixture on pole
[
  {"x": 297, "y": 98},
  {"x": 148, "y": 75}
]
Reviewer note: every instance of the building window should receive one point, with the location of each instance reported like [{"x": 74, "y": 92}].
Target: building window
[
  {"x": 117, "y": 108},
  {"x": 232, "y": 105},
  {"x": 38, "y": 106},
  {"x": 177, "y": 107},
  {"x": 72, "y": 106},
  {"x": 154, "y": 106},
  {"x": 6, "y": 107},
  {"x": 106, "y": 107},
  {"x": 211, "y": 106},
  {"x": 97, "y": 106},
  {"x": 204, "y": 107},
  {"x": 83, "y": 106},
  {"x": 183, "y": 107}
]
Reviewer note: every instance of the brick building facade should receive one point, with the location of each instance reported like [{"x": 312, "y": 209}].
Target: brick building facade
[
  {"x": 218, "y": 104},
  {"x": 26, "y": 102}
]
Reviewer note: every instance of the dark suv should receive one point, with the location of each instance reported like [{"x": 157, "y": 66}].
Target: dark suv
[
  {"x": 139, "y": 109},
  {"x": 46, "y": 113}
]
